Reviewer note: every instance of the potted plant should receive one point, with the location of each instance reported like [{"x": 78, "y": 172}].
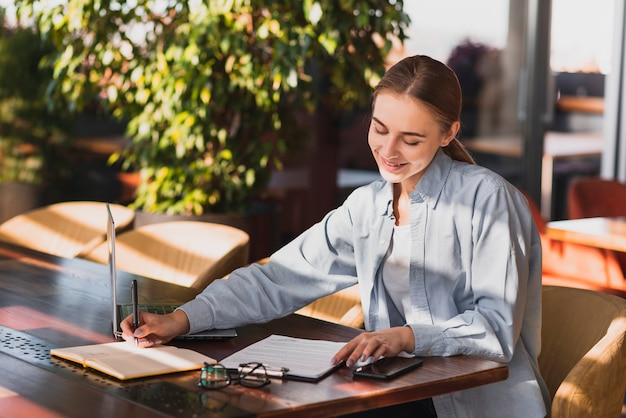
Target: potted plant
[
  {"x": 33, "y": 137},
  {"x": 213, "y": 90}
]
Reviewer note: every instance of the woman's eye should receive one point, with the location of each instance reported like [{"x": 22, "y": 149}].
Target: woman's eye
[{"x": 380, "y": 131}]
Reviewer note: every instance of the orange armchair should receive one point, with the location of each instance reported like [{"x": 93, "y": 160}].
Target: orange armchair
[
  {"x": 575, "y": 265},
  {"x": 589, "y": 197}
]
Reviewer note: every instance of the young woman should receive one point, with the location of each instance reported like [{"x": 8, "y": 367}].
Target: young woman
[{"x": 445, "y": 252}]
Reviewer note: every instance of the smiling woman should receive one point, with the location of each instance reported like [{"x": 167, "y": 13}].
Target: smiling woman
[{"x": 451, "y": 266}]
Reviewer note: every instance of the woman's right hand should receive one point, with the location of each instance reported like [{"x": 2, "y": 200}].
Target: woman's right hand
[
  {"x": 155, "y": 329},
  {"x": 376, "y": 344}
]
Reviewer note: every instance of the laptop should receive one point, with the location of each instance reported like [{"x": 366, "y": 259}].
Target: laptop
[{"x": 121, "y": 311}]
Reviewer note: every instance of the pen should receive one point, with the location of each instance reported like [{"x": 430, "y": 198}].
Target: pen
[
  {"x": 269, "y": 370},
  {"x": 133, "y": 295}
]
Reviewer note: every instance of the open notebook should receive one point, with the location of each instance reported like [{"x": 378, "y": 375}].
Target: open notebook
[
  {"x": 126, "y": 361},
  {"x": 121, "y": 311}
]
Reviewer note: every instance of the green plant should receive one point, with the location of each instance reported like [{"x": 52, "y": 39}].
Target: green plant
[
  {"x": 32, "y": 135},
  {"x": 211, "y": 89}
]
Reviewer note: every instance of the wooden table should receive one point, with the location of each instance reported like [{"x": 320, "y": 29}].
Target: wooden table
[
  {"x": 46, "y": 301},
  {"x": 585, "y": 104},
  {"x": 558, "y": 146},
  {"x": 607, "y": 233}
]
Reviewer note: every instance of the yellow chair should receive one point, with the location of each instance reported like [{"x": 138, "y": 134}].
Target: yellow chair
[
  {"x": 343, "y": 307},
  {"x": 583, "y": 355},
  {"x": 187, "y": 253},
  {"x": 66, "y": 229}
]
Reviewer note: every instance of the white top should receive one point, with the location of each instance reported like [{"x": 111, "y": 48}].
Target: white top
[{"x": 396, "y": 270}]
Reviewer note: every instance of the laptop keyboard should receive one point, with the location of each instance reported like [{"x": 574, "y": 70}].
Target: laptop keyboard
[
  {"x": 217, "y": 334},
  {"x": 127, "y": 309}
]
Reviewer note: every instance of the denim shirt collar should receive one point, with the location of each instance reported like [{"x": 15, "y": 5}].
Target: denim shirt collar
[
  {"x": 428, "y": 189},
  {"x": 431, "y": 184}
]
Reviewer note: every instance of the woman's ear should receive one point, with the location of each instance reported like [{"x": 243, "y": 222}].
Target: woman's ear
[{"x": 451, "y": 134}]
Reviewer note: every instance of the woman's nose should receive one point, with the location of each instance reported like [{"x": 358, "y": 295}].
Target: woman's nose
[{"x": 388, "y": 148}]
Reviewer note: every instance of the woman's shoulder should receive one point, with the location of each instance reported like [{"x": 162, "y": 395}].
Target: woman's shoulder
[
  {"x": 480, "y": 182},
  {"x": 478, "y": 174},
  {"x": 374, "y": 188},
  {"x": 377, "y": 193}
]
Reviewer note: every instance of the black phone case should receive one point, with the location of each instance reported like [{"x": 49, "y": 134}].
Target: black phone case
[{"x": 388, "y": 367}]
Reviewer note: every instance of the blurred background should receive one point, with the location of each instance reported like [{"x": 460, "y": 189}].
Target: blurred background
[{"x": 531, "y": 71}]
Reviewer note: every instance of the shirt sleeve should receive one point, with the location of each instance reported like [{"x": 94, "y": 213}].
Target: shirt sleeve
[{"x": 317, "y": 263}]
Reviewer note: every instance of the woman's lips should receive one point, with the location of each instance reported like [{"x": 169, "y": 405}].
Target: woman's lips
[{"x": 391, "y": 166}]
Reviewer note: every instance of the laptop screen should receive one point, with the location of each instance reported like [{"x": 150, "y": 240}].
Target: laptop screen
[
  {"x": 119, "y": 309},
  {"x": 113, "y": 271}
]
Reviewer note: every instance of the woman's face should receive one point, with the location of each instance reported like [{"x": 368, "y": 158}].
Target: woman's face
[{"x": 404, "y": 137}]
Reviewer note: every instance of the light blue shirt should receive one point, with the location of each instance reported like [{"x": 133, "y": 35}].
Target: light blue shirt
[{"x": 475, "y": 279}]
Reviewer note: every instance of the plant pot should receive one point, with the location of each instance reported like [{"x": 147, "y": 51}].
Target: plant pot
[
  {"x": 128, "y": 183},
  {"x": 260, "y": 222}
]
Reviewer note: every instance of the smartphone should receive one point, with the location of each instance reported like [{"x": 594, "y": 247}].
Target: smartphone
[{"x": 388, "y": 367}]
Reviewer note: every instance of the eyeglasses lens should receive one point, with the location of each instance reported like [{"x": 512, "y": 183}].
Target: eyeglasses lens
[
  {"x": 214, "y": 377},
  {"x": 253, "y": 375}
]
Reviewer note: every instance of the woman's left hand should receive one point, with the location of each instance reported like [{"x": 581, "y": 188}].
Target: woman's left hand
[{"x": 388, "y": 342}]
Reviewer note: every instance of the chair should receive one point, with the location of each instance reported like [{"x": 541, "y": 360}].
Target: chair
[
  {"x": 575, "y": 265},
  {"x": 589, "y": 197},
  {"x": 187, "y": 253},
  {"x": 583, "y": 354},
  {"x": 66, "y": 229},
  {"x": 342, "y": 307}
]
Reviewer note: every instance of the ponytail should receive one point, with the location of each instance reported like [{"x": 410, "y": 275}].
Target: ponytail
[{"x": 457, "y": 151}]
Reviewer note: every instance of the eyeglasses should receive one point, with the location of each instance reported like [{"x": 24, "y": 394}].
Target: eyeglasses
[{"x": 216, "y": 376}]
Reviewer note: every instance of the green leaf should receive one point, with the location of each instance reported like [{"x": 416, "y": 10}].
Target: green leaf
[{"x": 329, "y": 41}]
